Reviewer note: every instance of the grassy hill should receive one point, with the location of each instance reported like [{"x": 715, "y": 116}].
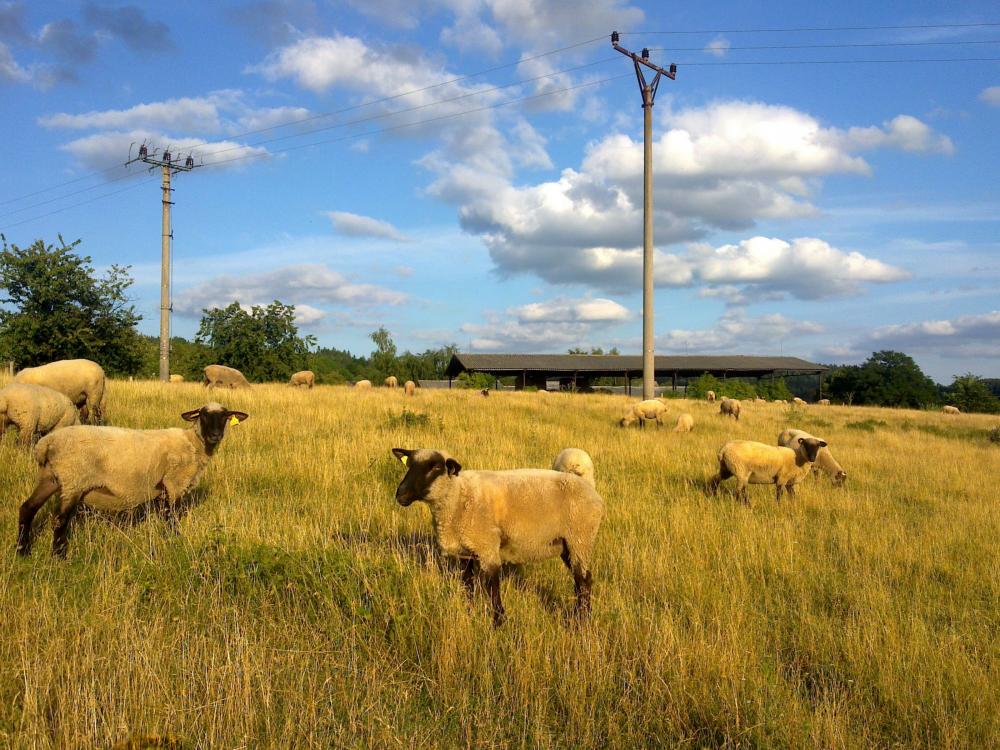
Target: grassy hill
[{"x": 300, "y": 606}]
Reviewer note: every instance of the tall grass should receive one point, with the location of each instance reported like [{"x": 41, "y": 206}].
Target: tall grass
[{"x": 299, "y": 606}]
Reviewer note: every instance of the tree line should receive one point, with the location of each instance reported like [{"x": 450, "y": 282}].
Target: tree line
[{"x": 55, "y": 306}]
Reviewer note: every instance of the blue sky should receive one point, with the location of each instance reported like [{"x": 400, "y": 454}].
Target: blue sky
[{"x": 358, "y": 166}]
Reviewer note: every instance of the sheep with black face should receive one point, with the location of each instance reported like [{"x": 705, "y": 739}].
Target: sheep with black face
[{"x": 487, "y": 518}]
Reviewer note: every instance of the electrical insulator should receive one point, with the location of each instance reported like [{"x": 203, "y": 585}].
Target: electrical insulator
[
  {"x": 189, "y": 162},
  {"x": 673, "y": 69},
  {"x": 143, "y": 151},
  {"x": 614, "y": 37},
  {"x": 645, "y": 53},
  {"x": 166, "y": 156}
]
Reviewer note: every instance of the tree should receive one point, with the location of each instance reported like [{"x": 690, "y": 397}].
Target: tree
[
  {"x": 383, "y": 359},
  {"x": 263, "y": 342},
  {"x": 970, "y": 394},
  {"x": 60, "y": 310},
  {"x": 887, "y": 378}
]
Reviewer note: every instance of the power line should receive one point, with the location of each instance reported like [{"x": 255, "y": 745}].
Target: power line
[
  {"x": 81, "y": 203},
  {"x": 818, "y": 28},
  {"x": 839, "y": 62},
  {"x": 830, "y": 46}
]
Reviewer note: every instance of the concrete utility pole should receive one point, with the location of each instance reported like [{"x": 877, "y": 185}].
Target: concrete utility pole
[
  {"x": 648, "y": 91},
  {"x": 167, "y": 167}
]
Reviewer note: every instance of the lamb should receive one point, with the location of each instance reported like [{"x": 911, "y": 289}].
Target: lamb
[
  {"x": 649, "y": 409},
  {"x": 35, "y": 410},
  {"x": 575, "y": 461},
  {"x": 81, "y": 380},
  {"x": 824, "y": 459},
  {"x": 950, "y": 410},
  {"x": 303, "y": 377},
  {"x": 116, "y": 469},
  {"x": 391, "y": 382},
  {"x": 493, "y": 517},
  {"x": 710, "y": 395},
  {"x": 175, "y": 378},
  {"x": 730, "y": 407},
  {"x": 363, "y": 385},
  {"x": 824, "y": 402},
  {"x": 220, "y": 376},
  {"x": 756, "y": 463},
  {"x": 685, "y": 423},
  {"x": 409, "y": 388}
]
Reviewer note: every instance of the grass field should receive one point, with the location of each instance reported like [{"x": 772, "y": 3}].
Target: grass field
[{"x": 300, "y": 607}]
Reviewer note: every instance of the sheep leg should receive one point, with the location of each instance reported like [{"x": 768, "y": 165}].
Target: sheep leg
[
  {"x": 84, "y": 413},
  {"x": 27, "y": 435},
  {"x": 582, "y": 579},
  {"x": 791, "y": 489},
  {"x": 469, "y": 575},
  {"x": 60, "y": 530},
  {"x": 491, "y": 580},
  {"x": 780, "y": 487},
  {"x": 46, "y": 486}
]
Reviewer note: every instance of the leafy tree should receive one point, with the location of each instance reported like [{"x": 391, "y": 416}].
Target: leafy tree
[
  {"x": 263, "y": 342},
  {"x": 733, "y": 388},
  {"x": 594, "y": 350},
  {"x": 383, "y": 359},
  {"x": 887, "y": 378},
  {"x": 476, "y": 380},
  {"x": 773, "y": 391},
  {"x": 970, "y": 394},
  {"x": 58, "y": 309}
]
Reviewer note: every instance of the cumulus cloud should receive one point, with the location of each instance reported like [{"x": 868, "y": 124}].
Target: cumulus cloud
[
  {"x": 991, "y": 95},
  {"x": 276, "y": 21},
  {"x": 98, "y": 150},
  {"x": 129, "y": 24},
  {"x": 355, "y": 225},
  {"x": 553, "y": 324},
  {"x": 545, "y": 24},
  {"x": 904, "y": 132},
  {"x": 10, "y": 71},
  {"x": 304, "y": 285},
  {"x": 975, "y": 335},
  {"x": 737, "y": 332}
]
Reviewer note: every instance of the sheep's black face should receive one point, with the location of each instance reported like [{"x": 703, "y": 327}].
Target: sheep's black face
[
  {"x": 212, "y": 421},
  {"x": 423, "y": 468},
  {"x": 838, "y": 481},
  {"x": 811, "y": 446}
]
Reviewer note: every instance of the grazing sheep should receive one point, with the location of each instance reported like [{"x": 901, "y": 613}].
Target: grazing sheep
[
  {"x": 220, "y": 376},
  {"x": 950, "y": 410},
  {"x": 363, "y": 385},
  {"x": 409, "y": 388},
  {"x": 493, "y": 517},
  {"x": 798, "y": 401},
  {"x": 710, "y": 395},
  {"x": 35, "y": 410},
  {"x": 730, "y": 407},
  {"x": 303, "y": 377},
  {"x": 115, "y": 469},
  {"x": 175, "y": 378},
  {"x": 649, "y": 409},
  {"x": 824, "y": 459},
  {"x": 485, "y": 393},
  {"x": 685, "y": 423},
  {"x": 759, "y": 400},
  {"x": 779, "y": 401},
  {"x": 391, "y": 382},
  {"x": 81, "y": 380},
  {"x": 575, "y": 461},
  {"x": 757, "y": 463},
  {"x": 824, "y": 402}
]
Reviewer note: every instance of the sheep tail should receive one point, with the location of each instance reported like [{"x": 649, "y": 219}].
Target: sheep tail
[{"x": 41, "y": 451}]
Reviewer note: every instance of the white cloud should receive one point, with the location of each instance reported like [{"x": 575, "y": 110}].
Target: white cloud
[
  {"x": 546, "y": 24},
  {"x": 97, "y": 151},
  {"x": 355, "y": 225},
  {"x": 718, "y": 47},
  {"x": 562, "y": 310},
  {"x": 904, "y": 132},
  {"x": 471, "y": 34},
  {"x": 10, "y": 71},
  {"x": 300, "y": 285},
  {"x": 966, "y": 336},
  {"x": 991, "y": 95},
  {"x": 736, "y": 332}
]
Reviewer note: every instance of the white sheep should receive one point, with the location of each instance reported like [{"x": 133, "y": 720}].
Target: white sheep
[
  {"x": 685, "y": 423},
  {"x": 730, "y": 407},
  {"x": 575, "y": 461},
  {"x": 492, "y": 517},
  {"x": 756, "y": 463},
  {"x": 825, "y": 461},
  {"x": 409, "y": 388},
  {"x": 115, "y": 469},
  {"x": 710, "y": 395},
  {"x": 220, "y": 376},
  {"x": 303, "y": 377},
  {"x": 81, "y": 380},
  {"x": 35, "y": 410},
  {"x": 798, "y": 401},
  {"x": 651, "y": 408},
  {"x": 950, "y": 410},
  {"x": 363, "y": 385},
  {"x": 824, "y": 402},
  {"x": 176, "y": 378},
  {"x": 391, "y": 382}
]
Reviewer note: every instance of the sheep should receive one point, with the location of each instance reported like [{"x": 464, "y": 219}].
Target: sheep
[
  {"x": 824, "y": 459},
  {"x": 710, "y": 395},
  {"x": 575, "y": 461},
  {"x": 391, "y": 382},
  {"x": 730, "y": 407},
  {"x": 175, "y": 378},
  {"x": 409, "y": 388},
  {"x": 492, "y": 517},
  {"x": 756, "y": 463},
  {"x": 116, "y": 469},
  {"x": 950, "y": 410},
  {"x": 824, "y": 402},
  {"x": 220, "y": 376},
  {"x": 798, "y": 401},
  {"x": 303, "y": 377},
  {"x": 685, "y": 423},
  {"x": 485, "y": 393},
  {"x": 363, "y": 385},
  {"x": 79, "y": 379},
  {"x": 650, "y": 409},
  {"x": 35, "y": 410}
]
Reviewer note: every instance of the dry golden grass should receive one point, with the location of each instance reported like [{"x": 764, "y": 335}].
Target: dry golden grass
[{"x": 301, "y": 607}]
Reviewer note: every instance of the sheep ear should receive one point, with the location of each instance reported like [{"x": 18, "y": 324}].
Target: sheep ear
[
  {"x": 190, "y": 416},
  {"x": 402, "y": 454},
  {"x": 453, "y": 467},
  {"x": 822, "y": 443},
  {"x": 238, "y": 416},
  {"x": 801, "y": 441}
]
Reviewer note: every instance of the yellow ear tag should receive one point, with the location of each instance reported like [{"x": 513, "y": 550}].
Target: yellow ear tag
[
  {"x": 233, "y": 420},
  {"x": 404, "y": 459}
]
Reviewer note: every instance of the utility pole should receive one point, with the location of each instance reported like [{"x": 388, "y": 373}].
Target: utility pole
[
  {"x": 648, "y": 91},
  {"x": 168, "y": 167}
]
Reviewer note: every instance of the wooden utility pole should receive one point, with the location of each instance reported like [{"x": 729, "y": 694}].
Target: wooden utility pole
[
  {"x": 168, "y": 167},
  {"x": 648, "y": 91}
]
